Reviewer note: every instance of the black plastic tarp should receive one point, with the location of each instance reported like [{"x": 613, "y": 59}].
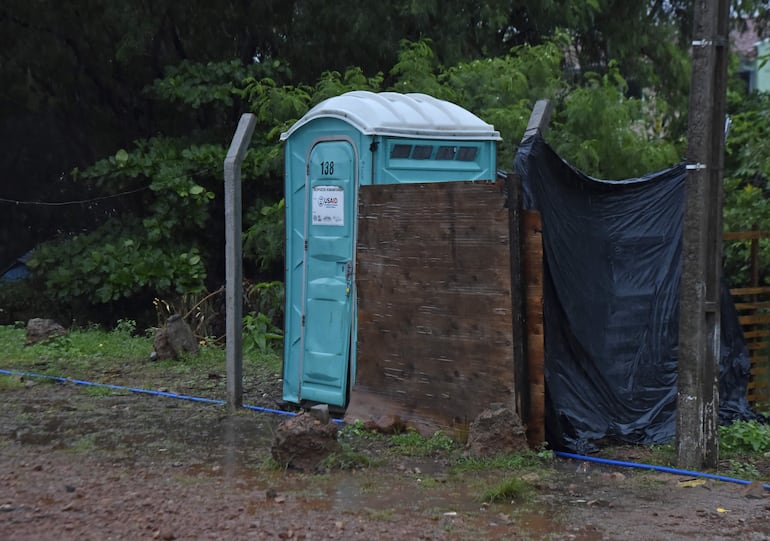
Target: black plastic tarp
[{"x": 612, "y": 269}]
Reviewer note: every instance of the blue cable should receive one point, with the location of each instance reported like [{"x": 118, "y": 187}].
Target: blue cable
[
  {"x": 664, "y": 469},
  {"x": 562, "y": 454},
  {"x": 147, "y": 391}
]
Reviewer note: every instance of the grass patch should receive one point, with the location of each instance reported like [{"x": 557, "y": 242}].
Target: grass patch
[
  {"x": 10, "y": 383},
  {"x": 380, "y": 514},
  {"x": 662, "y": 455},
  {"x": 85, "y": 444},
  {"x": 357, "y": 430},
  {"x": 511, "y": 490},
  {"x": 77, "y": 350},
  {"x": 97, "y": 391},
  {"x": 120, "y": 356},
  {"x": 411, "y": 443},
  {"x": 523, "y": 461},
  {"x": 349, "y": 459}
]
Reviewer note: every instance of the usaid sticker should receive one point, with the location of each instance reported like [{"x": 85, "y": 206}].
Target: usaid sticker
[{"x": 328, "y": 205}]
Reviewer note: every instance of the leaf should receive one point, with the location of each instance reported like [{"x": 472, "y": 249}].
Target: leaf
[
  {"x": 197, "y": 189},
  {"x": 121, "y": 157}
]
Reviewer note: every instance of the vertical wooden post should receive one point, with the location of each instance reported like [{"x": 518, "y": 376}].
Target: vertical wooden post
[
  {"x": 518, "y": 308},
  {"x": 699, "y": 320},
  {"x": 234, "y": 260},
  {"x": 533, "y": 412},
  {"x": 532, "y": 239},
  {"x": 755, "y": 259}
]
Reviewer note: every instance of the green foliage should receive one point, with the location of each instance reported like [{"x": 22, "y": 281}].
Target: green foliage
[
  {"x": 608, "y": 135},
  {"x": 262, "y": 327},
  {"x": 113, "y": 262},
  {"x": 180, "y": 179},
  {"x": 503, "y": 90},
  {"x": 259, "y": 334},
  {"x": 508, "y": 491},
  {"x": 349, "y": 459},
  {"x": 167, "y": 240},
  {"x": 267, "y": 298},
  {"x": 334, "y": 83},
  {"x": 125, "y": 326},
  {"x": 526, "y": 460},
  {"x": 21, "y": 300},
  {"x": 411, "y": 443},
  {"x": 74, "y": 354},
  {"x": 416, "y": 70},
  {"x": 744, "y": 437},
  {"x": 662, "y": 454},
  {"x": 742, "y": 470},
  {"x": 11, "y": 383},
  {"x": 98, "y": 391},
  {"x": 596, "y": 127},
  {"x": 264, "y": 241},
  {"x": 196, "y": 84},
  {"x": 747, "y": 184},
  {"x": 356, "y": 429}
]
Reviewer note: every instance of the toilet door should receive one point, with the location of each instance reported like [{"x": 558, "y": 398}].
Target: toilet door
[{"x": 329, "y": 267}]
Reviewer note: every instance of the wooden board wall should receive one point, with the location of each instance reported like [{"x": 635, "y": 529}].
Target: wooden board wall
[
  {"x": 753, "y": 306},
  {"x": 435, "y": 326}
]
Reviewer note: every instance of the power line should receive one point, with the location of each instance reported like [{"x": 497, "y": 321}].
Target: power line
[{"x": 65, "y": 203}]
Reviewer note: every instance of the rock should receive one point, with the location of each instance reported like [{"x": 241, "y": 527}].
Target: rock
[
  {"x": 174, "y": 339},
  {"x": 303, "y": 442},
  {"x": 495, "y": 431},
  {"x": 755, "y": 490},
  {"x": 40, "y": 330},
  {"x": 320, "y": 412},
  {"x": 386, "y": 424}
]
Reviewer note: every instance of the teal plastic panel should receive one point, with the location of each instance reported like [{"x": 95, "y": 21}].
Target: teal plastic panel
[{"x": 433, "y": 160}]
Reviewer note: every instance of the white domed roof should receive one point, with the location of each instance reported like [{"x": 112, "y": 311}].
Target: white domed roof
[{"x": 400, "y": 115}]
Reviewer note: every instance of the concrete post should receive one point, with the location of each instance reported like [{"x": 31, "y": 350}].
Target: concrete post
[{"x": 234, "y": 259}]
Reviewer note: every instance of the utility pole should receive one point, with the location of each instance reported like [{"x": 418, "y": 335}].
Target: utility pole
[{"x": 697, "y": 441}]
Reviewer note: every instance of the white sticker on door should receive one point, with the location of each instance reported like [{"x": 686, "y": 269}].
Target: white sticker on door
[{"x": 328, "y": 205}]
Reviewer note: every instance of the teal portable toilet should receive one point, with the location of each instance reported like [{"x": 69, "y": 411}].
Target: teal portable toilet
[{"x": 356, "y": 139}]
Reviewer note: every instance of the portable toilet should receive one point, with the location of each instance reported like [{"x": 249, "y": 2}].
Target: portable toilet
[{"x": 358, "y": 138}]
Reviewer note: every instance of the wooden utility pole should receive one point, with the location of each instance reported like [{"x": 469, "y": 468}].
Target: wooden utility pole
[{"x": 699, "y": 320}]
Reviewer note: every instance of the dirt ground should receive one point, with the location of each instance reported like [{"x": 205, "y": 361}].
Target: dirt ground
[{"x": 77, "y": 463}]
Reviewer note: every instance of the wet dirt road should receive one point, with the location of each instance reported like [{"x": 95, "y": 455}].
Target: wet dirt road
[{"x": 76, "y": 465}]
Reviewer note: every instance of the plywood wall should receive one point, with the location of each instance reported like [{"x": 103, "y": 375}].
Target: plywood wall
[{"x": 435, "y": 322}]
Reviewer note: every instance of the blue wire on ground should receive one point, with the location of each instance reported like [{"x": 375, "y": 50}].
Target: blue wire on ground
[
  {"x": 142, "y": 391},
  {"x": 562, "y": 454},
  {"x": 664, "y": 469}
]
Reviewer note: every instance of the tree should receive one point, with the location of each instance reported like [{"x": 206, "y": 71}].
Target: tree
[
  {"x": 747, "y": 183},
  {"x": 167, "y": 82}
]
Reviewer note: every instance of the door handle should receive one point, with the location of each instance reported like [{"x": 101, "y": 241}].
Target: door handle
[{"x": 348, "y": 276}]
